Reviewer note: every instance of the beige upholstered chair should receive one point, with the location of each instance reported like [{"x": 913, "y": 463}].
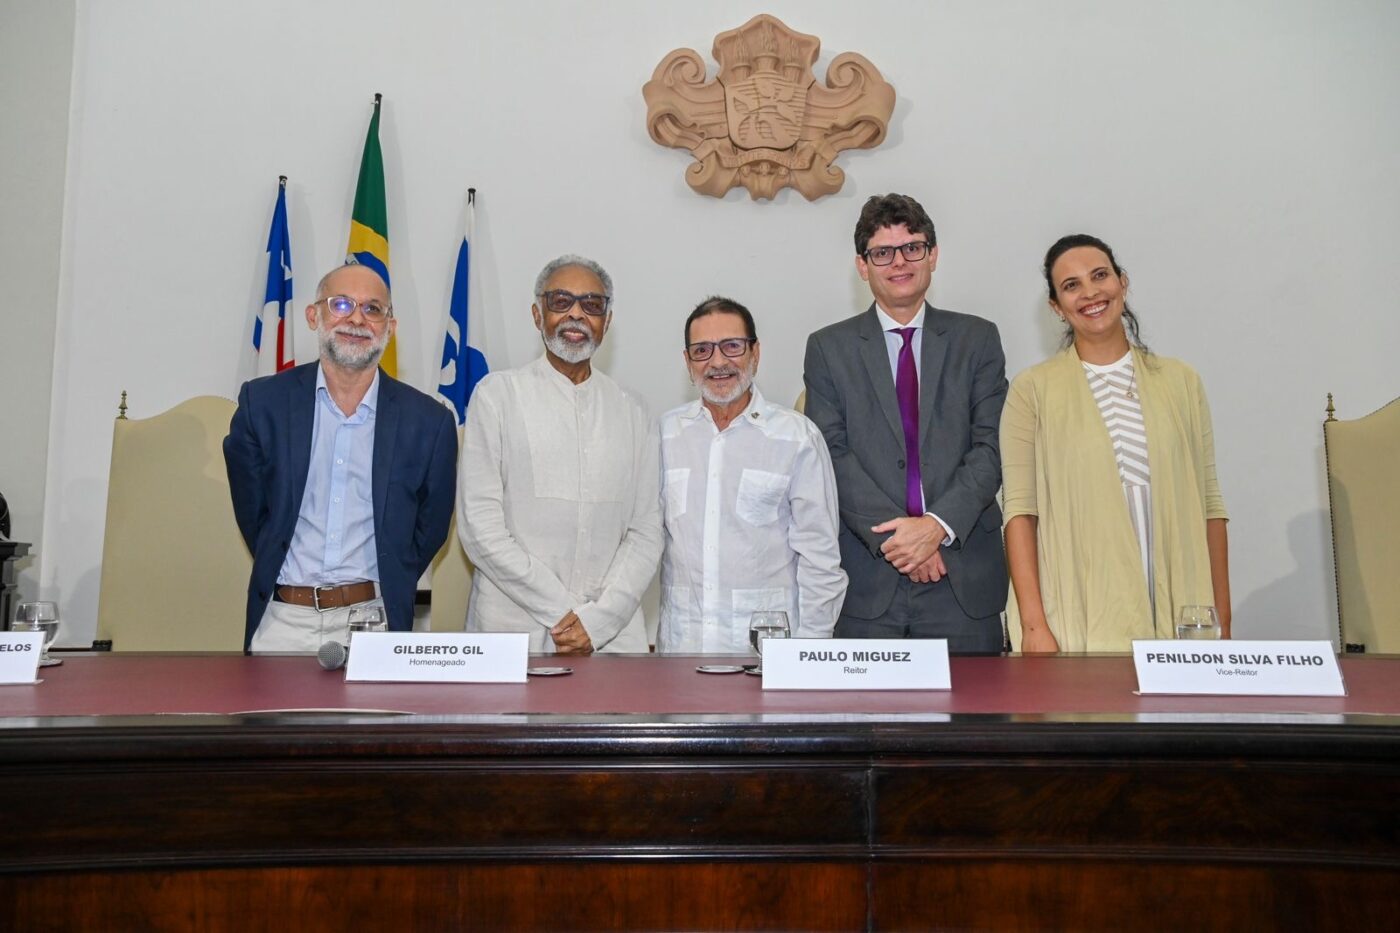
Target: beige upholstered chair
[
  {"x": 452, "y": 580},
  {"x": 801, "y": 403},
  {"x": 174, "y": 567},
  {"x": 1363, "y": 485}
]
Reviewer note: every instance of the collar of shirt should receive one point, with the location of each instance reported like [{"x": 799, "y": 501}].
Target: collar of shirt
[
  {"x": 546, "y": 371},
  {"x": 369, "y": 403},
  {"x": 757, "y": 411},
  {"x": 888, "y": 323}
]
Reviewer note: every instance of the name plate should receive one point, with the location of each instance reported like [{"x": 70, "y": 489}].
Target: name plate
[
  {"x": 19, "y": 657},
  {"x": 1239, "y": 668},
  {"x": 443, "y": 657},
  {"x": 855, "y": 664}
]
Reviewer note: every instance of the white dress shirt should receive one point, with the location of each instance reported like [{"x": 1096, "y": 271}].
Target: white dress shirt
[
  {"x": 558, "y": 506},
  {"x": 751, "y": 523}
]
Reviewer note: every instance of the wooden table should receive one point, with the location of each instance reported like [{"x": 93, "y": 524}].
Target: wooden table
[{"x": 224, "y": 792}]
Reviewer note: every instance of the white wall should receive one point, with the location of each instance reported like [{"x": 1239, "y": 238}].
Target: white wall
[
  {"x": 36, "y": 65},
  {"x": 1239, "y": 156}
]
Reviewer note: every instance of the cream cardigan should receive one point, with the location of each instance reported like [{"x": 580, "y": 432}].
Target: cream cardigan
[{"x": 1058, "y": 464}]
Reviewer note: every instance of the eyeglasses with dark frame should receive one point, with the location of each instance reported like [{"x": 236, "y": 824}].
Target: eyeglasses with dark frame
[
  {"x": 732, "y": 347},
  {"x": 559, "y": 301},
  {"x": 914, "y": 251},
  {"x": 344, "y": 306}
]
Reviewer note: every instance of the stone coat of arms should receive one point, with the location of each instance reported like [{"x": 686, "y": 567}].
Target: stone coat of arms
[{"x": 764, "y": 122}]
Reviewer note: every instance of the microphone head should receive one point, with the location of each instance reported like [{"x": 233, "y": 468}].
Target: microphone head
[{"x": 333, "y": 655}]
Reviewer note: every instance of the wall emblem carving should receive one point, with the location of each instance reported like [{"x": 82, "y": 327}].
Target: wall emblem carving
[{"x": 763, "y": 122}]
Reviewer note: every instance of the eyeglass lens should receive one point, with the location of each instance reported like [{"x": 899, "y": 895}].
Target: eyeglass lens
[
  {"x": 342, "y": 306},
  {"x": 559, "y": 301},
  {"x": 731, "y": 347},
  {"x": 884, "y": 255}
]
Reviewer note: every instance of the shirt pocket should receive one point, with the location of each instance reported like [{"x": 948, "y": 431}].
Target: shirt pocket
[
  {"x": 760, "y": 496},
  {"x": 676, "y": 492}
]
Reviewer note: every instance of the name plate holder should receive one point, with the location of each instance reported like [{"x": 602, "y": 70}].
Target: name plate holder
[
  {"x": 441, "y": 657},
  {"x": 19, "y": 657},
  {"x": 1238, "y": 668},
  {"x": 856, "y": 664}
]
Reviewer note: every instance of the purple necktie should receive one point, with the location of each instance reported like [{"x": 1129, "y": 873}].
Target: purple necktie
[{"x": 906, "y": 387}]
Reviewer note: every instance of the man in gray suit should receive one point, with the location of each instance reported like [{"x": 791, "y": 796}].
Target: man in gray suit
[{"x": 909, "y": 399}]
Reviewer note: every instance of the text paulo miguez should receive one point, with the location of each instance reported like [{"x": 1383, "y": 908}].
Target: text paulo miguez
[
  {"x": 1242, "y": 662},
  {"x": 841, "y": 657}
]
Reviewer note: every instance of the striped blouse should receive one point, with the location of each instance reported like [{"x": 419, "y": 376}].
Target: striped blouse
[{"x": 1115, "y": 390}]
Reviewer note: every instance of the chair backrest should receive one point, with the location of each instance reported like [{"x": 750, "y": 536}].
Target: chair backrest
[
  {"x": 452, "y": 580},
  {"x": 801, "y": 403},
  {"x": 174, "y": 567},
  {"x": 1363, "y": 485}
]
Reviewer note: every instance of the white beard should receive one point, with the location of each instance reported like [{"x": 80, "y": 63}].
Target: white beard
[
  {"x": 350, "y": 357},
  {"x": 741, "y": 385},
  {"x": 571, "y": 352}
]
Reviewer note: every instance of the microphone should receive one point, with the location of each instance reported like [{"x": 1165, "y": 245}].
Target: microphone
[{"x": 333, "y": 655}]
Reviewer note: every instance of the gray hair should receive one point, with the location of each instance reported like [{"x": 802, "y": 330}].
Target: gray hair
[
  {"x": 321, "y": 285},
  {"x": 569, "y": 260}
]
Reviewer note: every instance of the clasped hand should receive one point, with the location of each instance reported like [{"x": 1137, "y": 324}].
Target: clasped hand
[
  {"x": 913, "y": 548},
  {"x": 570, "y": 637}
]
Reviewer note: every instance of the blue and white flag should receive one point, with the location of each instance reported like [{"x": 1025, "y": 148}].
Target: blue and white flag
[
  {"x": 274, "y": 355},
  {"x": 463, "y": 356}
]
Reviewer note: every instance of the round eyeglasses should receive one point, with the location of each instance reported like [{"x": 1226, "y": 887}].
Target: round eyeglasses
[
  {"x": 344, "y": 306},
  {"x": 913, "y": 251},
  {"x": 732, "y": 347},
  {"x": 559, "y": 301}
]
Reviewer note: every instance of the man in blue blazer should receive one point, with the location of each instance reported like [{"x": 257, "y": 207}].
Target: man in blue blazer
[
  {"x": 342, "y": 477},
  {"x": 909, "y": 399}
]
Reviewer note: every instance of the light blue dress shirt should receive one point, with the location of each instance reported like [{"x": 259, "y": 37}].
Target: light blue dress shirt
[{"x": 334, "y": 537}]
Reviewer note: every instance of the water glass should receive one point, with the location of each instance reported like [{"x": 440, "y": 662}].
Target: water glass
[
  {"x": 1194, "y": 622},
  {"x": 766, "y": 624},
  {"x": 39, "y": 616},
  {"x": 367, "y": 619}
]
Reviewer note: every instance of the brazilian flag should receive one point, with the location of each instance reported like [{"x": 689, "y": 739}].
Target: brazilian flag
[{"x": 369, "y": 222}]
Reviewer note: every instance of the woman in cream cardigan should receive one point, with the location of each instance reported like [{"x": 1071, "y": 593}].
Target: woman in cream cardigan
[{"x": 1114, "y": 518}]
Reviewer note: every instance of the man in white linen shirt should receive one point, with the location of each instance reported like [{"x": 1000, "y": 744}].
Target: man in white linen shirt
[
  {"x": 750, "y": 500},
  {"x": 558, "y": 501}
]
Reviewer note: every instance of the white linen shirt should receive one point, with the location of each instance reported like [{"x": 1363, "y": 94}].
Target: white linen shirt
[
  {"x": 751, "y": 522},
  {"x": 558, "y": 506}
]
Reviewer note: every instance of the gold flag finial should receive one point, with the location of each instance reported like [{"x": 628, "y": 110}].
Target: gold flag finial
[
  {"x": 121, "y": 409},
  {"x": 1331, "y": 411}
]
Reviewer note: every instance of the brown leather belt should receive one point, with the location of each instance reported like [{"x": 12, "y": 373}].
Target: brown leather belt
[{"x": 323, "y": 598}]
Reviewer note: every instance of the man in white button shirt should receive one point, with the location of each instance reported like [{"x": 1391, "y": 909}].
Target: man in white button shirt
[
  {"x": 558, "y": 504},
  {"x": 749, "y": 500}
]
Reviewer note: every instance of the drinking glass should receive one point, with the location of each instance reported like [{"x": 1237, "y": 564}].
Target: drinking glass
[
  {"x": 766, "y": 624},
  {"x": 367, "y": 619},
  {"x": 39, "y": 616},
  {"x": 1197, "y": 622}
]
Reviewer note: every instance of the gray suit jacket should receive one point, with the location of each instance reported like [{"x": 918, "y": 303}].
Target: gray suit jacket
[{"x": 962, "y": 385}]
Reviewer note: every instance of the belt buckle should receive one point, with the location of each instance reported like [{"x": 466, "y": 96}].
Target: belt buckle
[{"x": 316, "y": 596}]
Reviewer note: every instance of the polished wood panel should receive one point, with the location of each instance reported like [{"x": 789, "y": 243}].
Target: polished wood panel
[
  {"x": 559, "y": 896},
  {"x": 1026, "y": 895}
]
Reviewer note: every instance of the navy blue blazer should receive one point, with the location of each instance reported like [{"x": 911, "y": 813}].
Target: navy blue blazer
[{"x": 268, "y": 453}]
